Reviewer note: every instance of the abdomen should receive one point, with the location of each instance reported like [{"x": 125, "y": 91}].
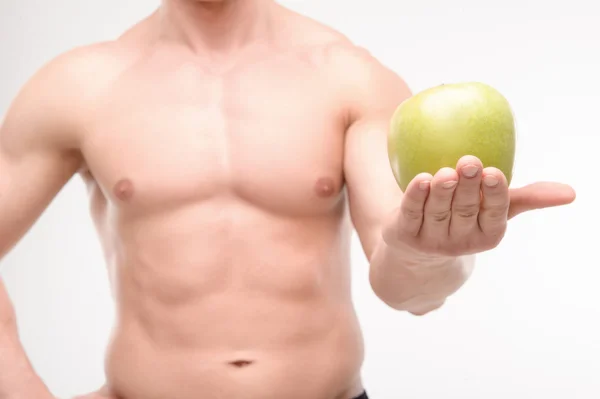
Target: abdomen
[{"x": 230, "y": 302}]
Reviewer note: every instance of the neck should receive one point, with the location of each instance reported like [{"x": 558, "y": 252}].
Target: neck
[{"x": 218, "y": 27}]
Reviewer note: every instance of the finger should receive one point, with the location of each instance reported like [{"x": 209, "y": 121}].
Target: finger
[
  {"x": 538, "y": 196},
  {"x": 495, "y": 202},
  {"x": 436, "y": 219},
  {"x": 467, "y": 198},
  {"x": 413, "y": 202}
]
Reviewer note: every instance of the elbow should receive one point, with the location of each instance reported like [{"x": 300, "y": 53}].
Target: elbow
[
  {"x": 417, "y": 305},
  {"x": 417, "y": 293},
  {"x": 426, "y": 308}
]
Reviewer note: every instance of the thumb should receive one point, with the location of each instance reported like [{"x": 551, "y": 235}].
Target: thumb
[{"x": 538, "y": 196}]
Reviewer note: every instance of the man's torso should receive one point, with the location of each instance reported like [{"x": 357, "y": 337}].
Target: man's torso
[{"x": 219, "y": 201}]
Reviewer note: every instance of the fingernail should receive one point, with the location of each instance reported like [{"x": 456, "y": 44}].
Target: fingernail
[
  {"x": 449, "y": 184},
  {"x": 424, "y": 185},
  {"x": 470, "y": 170},
  {"x": 490, "y": 181}
]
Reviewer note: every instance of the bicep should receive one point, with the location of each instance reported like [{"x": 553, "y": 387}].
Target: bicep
[
  {"x": 372, "y": 188},
  {"x": 34, "y": 163}
]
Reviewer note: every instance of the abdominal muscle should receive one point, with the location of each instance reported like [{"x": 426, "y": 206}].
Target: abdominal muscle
[{"x": 234, "y": 304}]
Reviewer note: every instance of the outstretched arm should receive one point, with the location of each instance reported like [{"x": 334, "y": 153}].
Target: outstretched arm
[
  {"x": 403, "y": 278},
  {"x": 421, "y": 243}
]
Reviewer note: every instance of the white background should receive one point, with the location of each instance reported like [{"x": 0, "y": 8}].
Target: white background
[{"x": 527, "y": 325}]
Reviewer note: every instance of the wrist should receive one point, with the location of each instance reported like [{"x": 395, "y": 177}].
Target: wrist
[
  {"x": 411, "y": 257},
  {"x": 406, "y": 250}
]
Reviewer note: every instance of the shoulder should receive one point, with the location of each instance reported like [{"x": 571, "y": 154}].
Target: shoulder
[
  {"x": 90, "y": 67},
  {"x": 81, "y": 73},
  {"x": 365, "y": 84},
  {"x": 78, "y": 74},
  {"x": 368, "y": 85},
  {"x": 50, "y": 108},
  {"x": 352, "y": 61}
]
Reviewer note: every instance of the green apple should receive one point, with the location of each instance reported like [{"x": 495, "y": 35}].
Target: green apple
[{"x": 436, "y": 127}]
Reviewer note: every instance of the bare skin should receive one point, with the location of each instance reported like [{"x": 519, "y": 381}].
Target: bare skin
[{"x": 227, "y": 165}]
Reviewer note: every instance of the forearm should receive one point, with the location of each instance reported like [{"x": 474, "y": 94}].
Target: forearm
[
  {"x": 413, "y": 282},
  {"x": 17, "y": 377}
]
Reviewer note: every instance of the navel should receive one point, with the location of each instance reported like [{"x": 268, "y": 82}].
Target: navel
[
  {"x": 325, "y": 187},
  {"x": 123, "y": 190}
]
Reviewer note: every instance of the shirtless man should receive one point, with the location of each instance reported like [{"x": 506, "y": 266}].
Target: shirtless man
[{"x": 229, "y": 147}]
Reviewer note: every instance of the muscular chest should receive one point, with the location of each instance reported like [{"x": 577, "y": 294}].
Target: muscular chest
[{"x": 271, "y": 134}]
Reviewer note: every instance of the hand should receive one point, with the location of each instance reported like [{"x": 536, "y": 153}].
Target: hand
[
  {"x": 8, "y": 328},
  {"x": 465, "y": 210}
]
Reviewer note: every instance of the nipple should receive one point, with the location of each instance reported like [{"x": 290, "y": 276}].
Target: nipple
[
  {"x": 123, "y": 190},
  {"x": 325, "y": 187}
]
